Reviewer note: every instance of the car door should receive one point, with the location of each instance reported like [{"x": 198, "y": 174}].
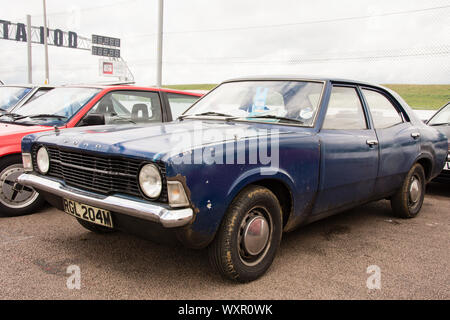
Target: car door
[
  {"x": 349, "y": 152},
  {"x": 398, "y": 139}
]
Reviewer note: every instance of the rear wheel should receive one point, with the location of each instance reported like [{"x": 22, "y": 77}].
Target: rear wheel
[
  {"x": 249, "y": 236},
  {"x": 94, "y": 227},
  {"x": 408, "y": 200},
  {"x": 16, "y": 199}
]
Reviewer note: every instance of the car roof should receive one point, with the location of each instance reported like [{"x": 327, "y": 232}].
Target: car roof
[
  {"x": 133, "y": 87},
  {"x": 303, "y": 78},
  {"x": 106, "y": 87},
  {"x": 29, "y": 86}
]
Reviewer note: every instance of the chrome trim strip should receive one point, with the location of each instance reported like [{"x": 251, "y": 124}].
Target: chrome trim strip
[{"x": 169, "y": 218}]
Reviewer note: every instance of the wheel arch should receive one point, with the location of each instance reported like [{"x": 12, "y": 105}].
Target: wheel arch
[
  {"x": 9, "y": 155},
  {"x": 280, "y": 183},
  {"x": 427, "y": 163},
  {"x": 283, "y": 194}
]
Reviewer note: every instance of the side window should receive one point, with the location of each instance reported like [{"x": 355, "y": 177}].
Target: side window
[
  {"x": 179, "y": 103},
  {"x": 129, "y": 106},
  {"x": 345, "y": 110},
  {"x": 384, "y": 114}
]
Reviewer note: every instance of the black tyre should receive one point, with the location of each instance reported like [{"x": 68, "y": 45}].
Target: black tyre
[
  {"x": 16, "y": 199},
  {"x": 249, "y": 235},
  {"x": 94, "y": 227},
  {"x": 407, "y": 201}
]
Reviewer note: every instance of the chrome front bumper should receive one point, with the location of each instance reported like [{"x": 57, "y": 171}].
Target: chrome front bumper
[{"x": 169, "y": 218}]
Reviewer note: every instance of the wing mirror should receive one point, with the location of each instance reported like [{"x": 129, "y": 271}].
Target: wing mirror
[{"x": 94, "y": 119}]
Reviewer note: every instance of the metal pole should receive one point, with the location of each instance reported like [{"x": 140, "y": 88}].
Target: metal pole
[
  {"x": 30, "y": 67},
  {"x": 159, "y": 45},
  {"x": 47, "y": 77}
]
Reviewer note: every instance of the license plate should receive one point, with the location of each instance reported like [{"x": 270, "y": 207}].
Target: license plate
[{"x": 92, "y": 214}]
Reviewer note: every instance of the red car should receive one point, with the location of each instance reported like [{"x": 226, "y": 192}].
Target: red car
[{"x": 74, "y": 106}]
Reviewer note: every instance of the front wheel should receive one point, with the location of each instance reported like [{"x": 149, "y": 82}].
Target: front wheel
[
  {"x": 407, "y": 201},
  {"x": 16, "y": 199},
  {"x": 249, "y": 236}
]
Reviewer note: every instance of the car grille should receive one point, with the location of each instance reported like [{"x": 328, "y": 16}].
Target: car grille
[{"x": 98, "y": 173}]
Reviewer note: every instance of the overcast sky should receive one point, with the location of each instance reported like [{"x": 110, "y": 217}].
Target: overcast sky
[{"x": 207, "y": 41}]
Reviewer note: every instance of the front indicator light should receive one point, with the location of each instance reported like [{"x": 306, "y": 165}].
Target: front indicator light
[
  {"x": 177, "y": 194},
  {"x": 27, "y": 162}
]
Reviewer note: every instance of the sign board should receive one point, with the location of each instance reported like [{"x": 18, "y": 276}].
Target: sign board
[
  {"x": 55, "y": 37},
  {"x": 98, "y": 45},
  {"x": 105, "y": 41},
  {"x": 110, "y": 68},
  {"x": 105, "y": 46},
  {"x": 105, "y": 52}
]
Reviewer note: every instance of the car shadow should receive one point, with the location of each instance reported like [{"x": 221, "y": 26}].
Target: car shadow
[
  {"x": 438, "y": 189},
  {"x": 44, "y": 208}
]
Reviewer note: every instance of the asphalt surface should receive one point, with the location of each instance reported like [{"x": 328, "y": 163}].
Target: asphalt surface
[{"x": 325, "y": 260}]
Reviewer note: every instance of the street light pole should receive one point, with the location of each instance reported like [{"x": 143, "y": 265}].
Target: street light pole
[
  {"x": 30, "y": 67},
  {"x": 159, "y": 44},
  {"x": 47, "y": 77}
]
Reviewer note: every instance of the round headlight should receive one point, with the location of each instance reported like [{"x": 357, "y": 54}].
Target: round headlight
[
  {"x": 150, "y": 181},
  {"x": 42, "y": 160}
]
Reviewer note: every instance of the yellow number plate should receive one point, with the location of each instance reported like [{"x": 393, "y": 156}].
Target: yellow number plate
[{"x": 88, "y": 213}]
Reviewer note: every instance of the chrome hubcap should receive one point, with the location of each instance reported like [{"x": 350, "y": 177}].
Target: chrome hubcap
[
  {"x": 414, "y": 190},
  {"x": 256, "y": 235},
  {"x": 13, "y": 194}
]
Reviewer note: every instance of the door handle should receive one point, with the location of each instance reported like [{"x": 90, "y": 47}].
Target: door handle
[
  {"x": 415, "y": 135},
  {"x": 372, "y": 142}
]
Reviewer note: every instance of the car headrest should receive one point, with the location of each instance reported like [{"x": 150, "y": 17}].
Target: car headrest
[{"x": 139, "y": 107}]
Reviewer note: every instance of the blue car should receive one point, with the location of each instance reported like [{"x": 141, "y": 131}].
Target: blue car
[{"x": 253, "y": 158}]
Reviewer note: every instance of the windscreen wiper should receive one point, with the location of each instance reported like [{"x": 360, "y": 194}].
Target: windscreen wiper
[
  {"x": 440, "y": 124},
  {"x": 37, "y": 116},
  {"x": 11, "y": 115},
  {"x": 43, "y": 115},
  {"x": 209, "y": 113},
  {"x": 270, "y": 116}
]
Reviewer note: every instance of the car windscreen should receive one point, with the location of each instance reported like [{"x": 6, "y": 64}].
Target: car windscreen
[
  {"x": 442, "y": 117},
  {"x": 262, "y": 101},
  {"x": 59, "y": 102},
  {"x": 10, "y": 96}
]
